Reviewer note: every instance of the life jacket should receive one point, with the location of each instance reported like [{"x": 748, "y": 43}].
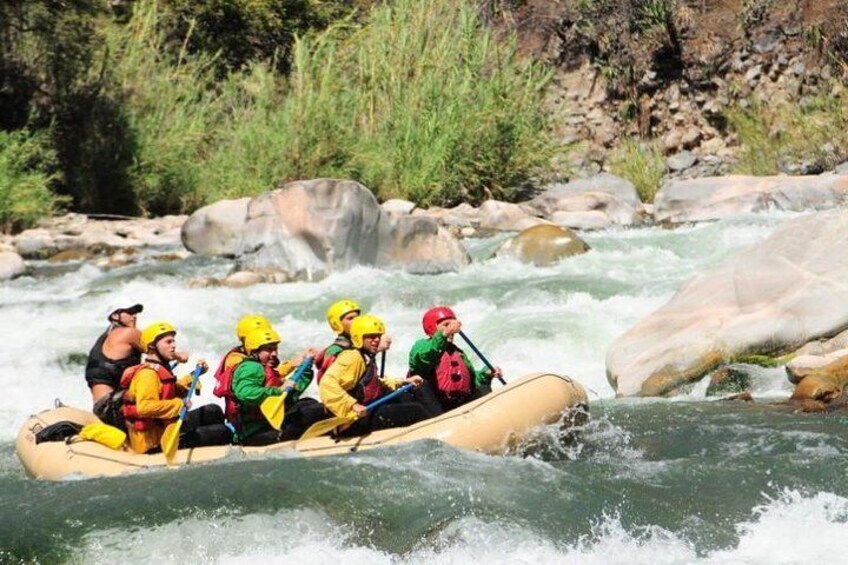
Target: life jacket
[
  {"x": 224, "y": 388},
  {"x": 101, "y": 368},
  {"x": 169, "y": 391},
  {"x": 453, "y": 379},
  {"x": 324, "y": 359},
  {"x": 369, "y": 388}
]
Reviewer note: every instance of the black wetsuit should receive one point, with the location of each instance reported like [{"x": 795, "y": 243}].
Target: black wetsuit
[{"x": 102, "y": 370}]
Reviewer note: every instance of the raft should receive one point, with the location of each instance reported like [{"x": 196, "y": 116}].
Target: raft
[{"x": 493, "y": 424}]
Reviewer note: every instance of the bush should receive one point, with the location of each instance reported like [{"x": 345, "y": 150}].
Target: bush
[
  {"x": 642, "y": 164},
  {"x": 25, "y": 180}
]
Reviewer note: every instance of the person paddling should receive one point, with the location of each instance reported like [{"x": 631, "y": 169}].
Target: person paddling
[
  {"x": 340, "y": 315},
  {"x": 450, "y": 378},
  {"x": 153, "y": 398},
  {"x": 255, "y": 380},
  {"x": 354, "y": 380}
]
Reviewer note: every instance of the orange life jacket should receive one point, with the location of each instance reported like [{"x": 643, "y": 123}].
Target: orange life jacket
[{"x": 169, "y": 391}]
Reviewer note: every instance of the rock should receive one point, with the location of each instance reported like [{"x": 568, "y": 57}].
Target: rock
[
  {"x": 691, "y": 138},
  {"x": 419, "y": 245},
  {"x": 588, "y": 210},
  {"x": 672, "y": 140},
  {"x": 459, "y": 217},
  {"x": 842, "y": 169},
  {"x": 822, "y": 347},
  {"x": 712, "y": 198},
  {"x": 241, "y": 279},
  {"x": 832, "y": 365},
  {"x": 729, "y": 380},
  {"x": 11, "y": 265},
  {"x": 396, "y": 207},
  {"x": 504, "y": 216},
  {"x": 204, "y": 282},
  {"x": 71, "y": 255},
  {"x": 543, "y": 245},
  {"x": 681, "y": 161},
  {"x": 589, "y": 220},
  {"x": 35, "y": 244},
  {"x": 604, "y": 182},
  {"x": 217, "y": 229},
  {"x": 771, "y": 298}
]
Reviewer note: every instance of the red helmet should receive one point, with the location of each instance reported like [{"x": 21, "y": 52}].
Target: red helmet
[{"x": 435, "y": 315}]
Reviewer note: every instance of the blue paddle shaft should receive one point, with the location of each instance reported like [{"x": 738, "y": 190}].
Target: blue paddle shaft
[
  {"x": 305, "y": 364},
  {"x": 480, "y": 355},
  {"x": 393, "y": 395},
  {"x": 195, "y": 376}
]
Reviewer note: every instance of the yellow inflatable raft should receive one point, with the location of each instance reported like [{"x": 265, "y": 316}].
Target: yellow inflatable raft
[{"x": 490, "y": 425}]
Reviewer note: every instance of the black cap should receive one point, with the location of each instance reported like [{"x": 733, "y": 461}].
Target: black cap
[{"x": 134, "y": 309}]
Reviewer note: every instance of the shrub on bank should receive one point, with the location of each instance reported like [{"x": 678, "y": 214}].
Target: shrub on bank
[{"x": 642, "y": 164}]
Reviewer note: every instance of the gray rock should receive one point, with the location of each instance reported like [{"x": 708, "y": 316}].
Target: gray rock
[
  {"x": 604, "y": 182},
  {"x": 217, "y": 229},
  {"x": 11, "y": 265},
  {"x": 842, "y": 169},
  {"x": 681, "y": 161},
  {"x": 397, "y": 207},
  {"x": 505, "y": 216},
  {"x": 419, "y": 245}
]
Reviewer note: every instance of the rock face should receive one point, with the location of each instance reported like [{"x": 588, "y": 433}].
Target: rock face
[
  {"x": 11, "y": 265},
  {"x": 713, "y": 198},
  {"x": 216, "y": 229},
  {"x": 543, "y": 245},
  {"x": 774, "y": 297},
  {"x": 420, "y": 245}
]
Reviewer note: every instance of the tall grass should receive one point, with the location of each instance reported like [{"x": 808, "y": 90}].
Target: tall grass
[
  {"x": 25, "y": 196},
  {"x": 773, "y": 136},
  {"x": 642, "y": 164}
]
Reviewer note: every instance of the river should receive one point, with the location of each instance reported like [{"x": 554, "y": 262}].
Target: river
[{"x": 683, "y": 480}]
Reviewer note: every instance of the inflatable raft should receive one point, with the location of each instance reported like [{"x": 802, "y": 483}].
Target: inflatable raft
[{"x": 490, "y": 425}]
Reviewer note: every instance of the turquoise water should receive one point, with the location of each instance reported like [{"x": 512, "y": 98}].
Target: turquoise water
[{"x": 660, "y": 481}]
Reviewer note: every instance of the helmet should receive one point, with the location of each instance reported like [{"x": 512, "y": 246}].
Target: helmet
[
  {"x": 365, "y": 325},
  {"x": 153, "y": 332},
  {"x": 435, "y": 315},
  {"x": 259, "y": 337},
  {"x": 339, "y": 310},
  {"x": 249, "y": 323}
]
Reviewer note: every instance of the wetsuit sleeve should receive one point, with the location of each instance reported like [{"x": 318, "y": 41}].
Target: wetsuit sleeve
[
  {"x": 339, "y": 378},
  {"x": 249, "y": 384},
  {"x": 147, "y": 390},
  {"x": 425, "y": 354}
]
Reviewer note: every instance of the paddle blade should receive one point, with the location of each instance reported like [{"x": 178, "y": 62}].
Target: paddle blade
[
  {"x": 274, "y": 410},
  {"x": 323, "y": 427},
  {"x": 171, "y": 440}
]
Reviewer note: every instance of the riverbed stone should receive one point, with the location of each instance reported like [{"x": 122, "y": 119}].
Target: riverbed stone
[
  {"x": 217, "y": 229},
  {"x": 396, "y": 207},
  {"x": 769, "y": 299},
  {"x": 713, "y": 198},
  {"x": 543, "y": 245},
  {"x": 420, "y": 245},
  {"x": 11, "y": 265},
  {"x": 594, "y": 203},
  {"x": 506, "y": 216}
]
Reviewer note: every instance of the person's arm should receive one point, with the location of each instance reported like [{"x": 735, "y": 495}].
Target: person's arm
[
  {"x": 147, "y": 389},
  {"x": 425, "y": 354},
  {"x": 481, "y": 376},
  {"x": 249, "y": 384},
  {"x": 340, "y": 377}
]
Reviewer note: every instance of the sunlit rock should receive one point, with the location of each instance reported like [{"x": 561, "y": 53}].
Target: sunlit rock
[
  {"x": 216, "y": 229},
  {"x": 420, "y": 245},
  {"x": 11, "y": 265},
  {"x": 712, "y": 198},
  {"x": 543, "y": 245},
  {"x": 505, "y": 216},
  {"x": 771, "y": 298}
]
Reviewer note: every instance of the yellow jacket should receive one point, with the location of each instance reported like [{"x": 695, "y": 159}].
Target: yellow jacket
[
  {"x": 342, "y": 376},
  {"x": 146, "y": 388}
]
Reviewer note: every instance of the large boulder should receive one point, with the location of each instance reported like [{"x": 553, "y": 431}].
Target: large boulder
[
  {"x": 543, "y": 245},
  {"x": 819, "y": 377},
  {"x": 310, "y": 228},
  {"x": 217, "y": 229},
  {"x": 11, "y": 265},
  {"x": 713, "y": 198},
  {"x": 769, "y": 299},
  {"x": 418, "y": 244},
  {"x": 505, "y": 216},
  {"x": 598, "y": 202}
]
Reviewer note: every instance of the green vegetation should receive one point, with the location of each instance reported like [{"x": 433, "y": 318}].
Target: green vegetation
[
  {"x": 174, "y": 104},
  {"x": 642, "y": 164},
  {"x": 773, "y": 136}
]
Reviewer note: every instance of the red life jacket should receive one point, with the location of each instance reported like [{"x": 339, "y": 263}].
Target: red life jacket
[
  {"x": 453, "y": 379},
  {"x": 324, "y": 359},
  {"x": 169, "y": 391},
  {"x": 369, "y": 388},
  {"x": 224, "y": 388}
]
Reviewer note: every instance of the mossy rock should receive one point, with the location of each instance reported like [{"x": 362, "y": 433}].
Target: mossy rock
[{"x": 729, "y": 380}]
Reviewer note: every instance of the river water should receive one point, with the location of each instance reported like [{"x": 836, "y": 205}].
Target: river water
[{"x": 685, "y": 480}]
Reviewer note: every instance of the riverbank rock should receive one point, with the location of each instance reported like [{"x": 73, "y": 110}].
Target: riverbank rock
[
  {"x": 713, "y": 198},
  {"x": 216, "y": 229},
  {"x": 505, "y": 216},
  {"x": 771, "y": 298},
  {"x": 11, "y": 265},
  {"x": 543, "y": 245},
  {"x": 419, "y": 245},
  {"x": 598, "y": 202}
]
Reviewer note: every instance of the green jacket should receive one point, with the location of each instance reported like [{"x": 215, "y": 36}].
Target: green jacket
[
  {"x": 250, "y": 392},
  {"x": 426, "y": 354}
]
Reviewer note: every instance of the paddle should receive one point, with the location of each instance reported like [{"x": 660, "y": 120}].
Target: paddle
[
  {"x": 274, "y": 407},
  {"x": 480, "y": 355},
  {"x": 171, "y": 437},
  {"x": 325, "y": 426}
]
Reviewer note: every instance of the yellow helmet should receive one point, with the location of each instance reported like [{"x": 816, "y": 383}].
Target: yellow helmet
[
  {"x": 365, "y": 325},
  {"x": 339, "y": 310},
  {"x": 259, "y": 337},
  {"x": 154, "y": 331},
  {"x": 249, "y": 323}
]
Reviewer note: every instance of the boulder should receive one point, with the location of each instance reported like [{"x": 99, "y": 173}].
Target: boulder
[
  {"x": 396, "y": 207},
  {"x": 419, "y": 245},
  {"x": 595, "y": 203},
  {"x": 543, "y": 245},
  {"x": 11, "y": 265},
  {"x": 504, "y": 216},
  {"x": 216, "y": 229},
  {"x": 713, "y": 198},
  {"x": 771, "y": 298},
  {"x": 832, "y": 365}
]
